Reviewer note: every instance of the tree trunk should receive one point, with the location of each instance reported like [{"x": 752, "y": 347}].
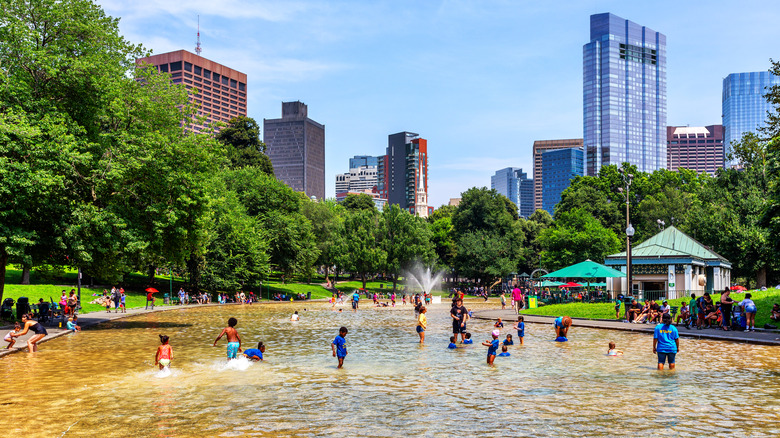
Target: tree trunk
[
  {"x": 327, "y": 271},
  {"x": 395, "y": 282},
  {"x": 194, "y": 271},
  {"x": 151, "y": 274},
  {"x": 3, "y": 261},
  {"x": 363, "y": 277},
  {"x": 761, "y": 278},
  {"x": 25, "y": 274}
]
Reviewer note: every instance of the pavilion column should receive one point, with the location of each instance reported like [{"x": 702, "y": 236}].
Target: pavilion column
[
  {"x": 624, "y": 281},
  {"x": 717, "y": 283},
  {"x": 671, "y": 291},
  {"x": 688, "y": 275}
]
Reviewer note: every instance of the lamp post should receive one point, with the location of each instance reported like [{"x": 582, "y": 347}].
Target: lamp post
[{"x": 627, "y": 179}]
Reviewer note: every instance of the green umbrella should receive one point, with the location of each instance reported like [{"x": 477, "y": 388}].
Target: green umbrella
[
  {"x": 524, "y": 275},
  {"x": 598, "y": 284},
  {"x": 548, "y": 283},
  {"x": 586, "y": 269}
]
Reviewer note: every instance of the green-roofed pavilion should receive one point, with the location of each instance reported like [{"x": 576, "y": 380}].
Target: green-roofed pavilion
[{"x": 674, "y": 263}]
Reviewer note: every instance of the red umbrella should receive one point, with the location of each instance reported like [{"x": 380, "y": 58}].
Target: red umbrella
[
  {"x": 152, "y": 290},
  {"x": 571, "y": 284}
]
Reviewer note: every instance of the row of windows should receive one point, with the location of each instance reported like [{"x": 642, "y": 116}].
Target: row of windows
[{"x": 206, "y": 73}]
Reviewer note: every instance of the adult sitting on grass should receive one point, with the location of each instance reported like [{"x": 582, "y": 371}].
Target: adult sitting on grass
[
  {"x": 775, "y": 316},
  {"x": 36, "y": 327}
]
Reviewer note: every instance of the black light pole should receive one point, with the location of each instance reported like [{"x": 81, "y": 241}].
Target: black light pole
[{"x": 627, "y": 179}]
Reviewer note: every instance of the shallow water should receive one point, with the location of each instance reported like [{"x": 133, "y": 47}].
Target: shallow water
[{"x": 102, "y": 382}]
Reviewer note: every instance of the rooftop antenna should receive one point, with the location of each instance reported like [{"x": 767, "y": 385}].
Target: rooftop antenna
[{"x": 197, "y": 47}]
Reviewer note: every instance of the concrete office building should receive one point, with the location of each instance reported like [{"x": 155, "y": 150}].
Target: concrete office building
[
  {"x": 540, "y": 147},
  {"x": 513, "y": 183},
  {"x": 624, "y": 95},
  {"x": 559, "y": 168},
  {"x": 698, "y": 148},
  {"x": 744, "y": 105},
  {"x": 357, "y": 179},
  {"x": 398, "y": 171},
  {"x": 296, "y": 146},
  {"x": 221, "y": 90}
]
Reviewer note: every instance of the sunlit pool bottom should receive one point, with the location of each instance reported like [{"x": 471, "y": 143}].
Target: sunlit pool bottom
[{"x": 101, "y": 382}]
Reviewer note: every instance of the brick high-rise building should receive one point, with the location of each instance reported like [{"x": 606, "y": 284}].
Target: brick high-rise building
[
  {"x": 221, "y": 91},
  {"x": 540, "y": 147},
  {"x": 699, "y": 148},
  {"x": 398, "y": 171},
  {"x": 296, "y": 146}
]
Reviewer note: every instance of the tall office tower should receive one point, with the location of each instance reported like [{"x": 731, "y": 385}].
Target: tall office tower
[
  {"x": 698, "y": 148},
  {"x": 363, "y": 160},
  {"x": 399, "y": 171},
  {"x": 624, "y": 95},
  {"x": 559, "y": 168},
  {"x": 744, "y": 105},
  {"x": 221, "y": 90},
  {"x": 357, "y": 179},
  {"x": 540, "y": 147},
  {"x": 513, "y": 183},
  {"x": 296, "y": 146}
]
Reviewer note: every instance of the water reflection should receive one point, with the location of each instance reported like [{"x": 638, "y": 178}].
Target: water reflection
[{"x": 390, "y": 385}]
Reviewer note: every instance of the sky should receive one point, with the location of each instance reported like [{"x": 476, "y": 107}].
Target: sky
[{"x": 480, "y": 80}]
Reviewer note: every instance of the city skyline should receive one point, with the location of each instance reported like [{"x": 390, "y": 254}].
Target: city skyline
[{"x": 511, "y": 71}]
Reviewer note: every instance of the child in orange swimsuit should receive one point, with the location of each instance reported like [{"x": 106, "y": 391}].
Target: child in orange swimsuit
[{"x": 164, "y": 353}]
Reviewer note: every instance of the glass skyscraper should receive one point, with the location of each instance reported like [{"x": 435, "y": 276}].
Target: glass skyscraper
[
  {"x": 559, "y": 167},
  {"x": 744, "y": 105},
  {"x": 513, "y": 183},
  {"x": 624, "y": 95}
]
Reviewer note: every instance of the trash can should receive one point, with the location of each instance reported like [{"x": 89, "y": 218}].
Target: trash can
[
  {"x": 308, "y": 295},
  {"x": 167, "y": 299},
  {"x": 532, "y": 302},
  {"x": 22, "y": 307}
]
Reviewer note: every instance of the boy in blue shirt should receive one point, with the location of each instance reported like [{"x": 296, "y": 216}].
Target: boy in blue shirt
[
  {"x": 520, "y": 327},
  {"x": 468, "y": 338},
  {"x": 492, "y": 347},
  {"x": 452, "y": 342},
  {"x": 504, "y": 352},
  {"x": 666, "y": 342},
  {"x": 339, "y": 346}
]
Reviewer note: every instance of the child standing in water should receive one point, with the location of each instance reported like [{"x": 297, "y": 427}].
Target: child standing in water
[
  {"x": 492, "y": 347},
  {"x": 9, "y": 337},
  {"x": 234, "y": 341},
  {"x": 520, "y": 327},
  {"x": 339, "y": 346},
  {"x": 468, "y": 339},
  {"x": 422, "y": 323},
  {"x": 164, "y": 353}
]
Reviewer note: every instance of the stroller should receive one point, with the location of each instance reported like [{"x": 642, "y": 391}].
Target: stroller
[
  {"x": 6, "y": 310},
  {"x": 738, "y": 319}
]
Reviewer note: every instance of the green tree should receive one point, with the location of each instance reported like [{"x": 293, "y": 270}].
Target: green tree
[
  {"x": 489, "y": 239},
  {"x": 364, "y": 254},
  {"x": 576, "y": 236},
  {"x": 361, "y": 201},
  {"x": 443, "y": 240},
  {"x": 327, "y": 220},
  {"x": 533, "y": 226},
  {"x": 241, "y": 136},
  {"x": 405, "y": 239}
]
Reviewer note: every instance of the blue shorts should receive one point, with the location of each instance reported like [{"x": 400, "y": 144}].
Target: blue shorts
[
  {"x": 520, "y": 333},
  {"x": 232, "y": 350},
  {"x": 420, "y": 329},
  {"x": 663, "y": 357},
  {"x": 750, "y": 309}
]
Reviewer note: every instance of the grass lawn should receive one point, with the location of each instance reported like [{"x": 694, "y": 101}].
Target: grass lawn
[
  {"x": 317, "y": 291},
  {"x": 764, "y": 301},
  {"x": 52, "y": 292}
]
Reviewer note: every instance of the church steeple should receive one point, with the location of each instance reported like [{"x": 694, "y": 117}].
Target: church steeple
[{"x": 421, "y": 198}]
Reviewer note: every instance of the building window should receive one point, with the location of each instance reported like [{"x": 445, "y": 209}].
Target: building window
[
  {"x": 187, "y": 75},
  {"x": 197, "y": 70},
  {"x": 224, "y": 81},
  {"x": 176, "y": 75},
  {"x": 242, "y": 86},
  {"x": 176, "y": 66},
  {"x": 233, "y": 83},
  {"x": 215, "y": 77},
  {"x": 164, "y": 68},
  {"x": 187, "y": 66},
  {"x": 207, "y": 73}
]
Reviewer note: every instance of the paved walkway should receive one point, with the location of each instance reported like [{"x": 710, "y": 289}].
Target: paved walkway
[{"x": 758, "y": 337}]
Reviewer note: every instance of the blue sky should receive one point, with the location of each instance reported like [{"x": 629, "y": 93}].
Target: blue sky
[{"x": 481, "y": 80}]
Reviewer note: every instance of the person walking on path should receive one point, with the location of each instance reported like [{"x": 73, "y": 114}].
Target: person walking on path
[
  {"x": 36, "y": 327},
  {"x": 725, "y": 309},
  {"x": 517, "y": 299}
]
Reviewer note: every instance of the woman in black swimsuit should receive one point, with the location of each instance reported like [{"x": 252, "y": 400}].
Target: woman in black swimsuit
[{"x": 36, "y": 327}]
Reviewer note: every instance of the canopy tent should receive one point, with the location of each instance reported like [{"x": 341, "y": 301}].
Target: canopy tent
[
  {"x": 524, "y": 275},
  {"x": 586, "y": 269},
  {"x": 548, "y": 283},
  {"x": 598, "y": 284}
]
